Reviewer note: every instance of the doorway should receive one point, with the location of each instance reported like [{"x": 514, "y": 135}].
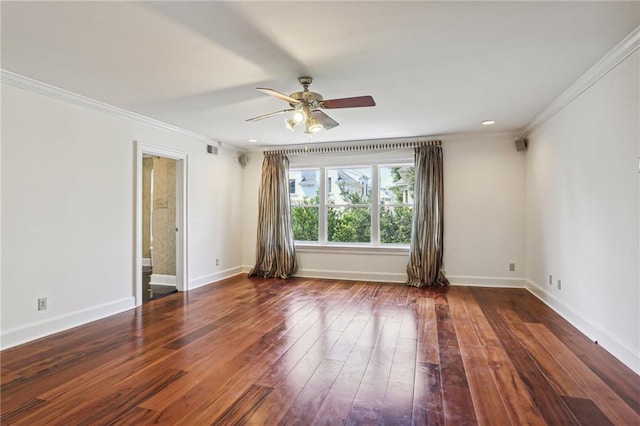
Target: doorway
[
  {"x": 158, "y": 227},
  {"x": 160, "y": 261}
]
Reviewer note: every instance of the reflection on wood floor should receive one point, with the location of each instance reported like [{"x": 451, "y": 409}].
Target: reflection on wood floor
[{"x": 305, "y": 351}]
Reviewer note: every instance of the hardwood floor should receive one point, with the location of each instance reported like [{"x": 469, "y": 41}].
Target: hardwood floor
[{"x": 308, "y": 351}]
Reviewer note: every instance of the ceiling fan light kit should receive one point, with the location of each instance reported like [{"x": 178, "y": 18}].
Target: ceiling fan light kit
[
  {"x": 306, "y": 107},
  {"x": 290, "y": 123},
  {"x": 313, "y": 125},
  {"x": 299, "y": 116}
]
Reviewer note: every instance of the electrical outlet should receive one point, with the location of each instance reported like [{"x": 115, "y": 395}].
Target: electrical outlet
[
  {"x": 217, "y": 262},
  {"x": 559, "y": 285},
  {"x": 42, "y": 303},
  {"x": 550, "y": 280},
  {"x": 512, "y": 267}
]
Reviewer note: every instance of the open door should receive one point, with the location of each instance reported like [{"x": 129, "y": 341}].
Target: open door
[
  {"x": 160, "y": 255},
  {"x": 159, "y": 236}
]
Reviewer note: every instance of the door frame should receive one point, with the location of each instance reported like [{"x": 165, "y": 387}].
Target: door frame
[{"x": 182, "y": 276}]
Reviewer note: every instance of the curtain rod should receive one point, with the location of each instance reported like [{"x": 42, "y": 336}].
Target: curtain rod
[{"x": 355, "y": 148}]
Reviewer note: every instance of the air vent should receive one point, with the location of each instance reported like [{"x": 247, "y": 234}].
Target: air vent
[{"x": 212, "y": 149}]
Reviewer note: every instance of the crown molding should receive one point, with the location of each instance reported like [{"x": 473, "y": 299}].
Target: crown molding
[
  {"x": 35, "y": 86},
  {"x": 617, "y": 55}
]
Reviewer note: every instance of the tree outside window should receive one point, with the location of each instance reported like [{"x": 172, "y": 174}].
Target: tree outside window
[
  {"x": 305, "y": 204},
  {"x": 349, "y": 205},
  {"x": 396, "y": 203}
]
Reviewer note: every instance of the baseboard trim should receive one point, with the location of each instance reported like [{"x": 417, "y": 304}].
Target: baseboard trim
[
  {"x": 146, "y": 261},
  {"x": 344, "y": 275},
  {"x": 475, "y": 281},
  {"x": 159, "y": 279},
  {"x": 216, "y": 276},
  {"x": 162, "y": 285},
  {"x": 385, "y": 277},
  {"x": 604, "y": 338},
  {"x": 462, "y": 280},
  {"x": 26, "y": 333}
]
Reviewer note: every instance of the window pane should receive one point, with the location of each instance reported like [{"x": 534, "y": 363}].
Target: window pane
[
  {"x": 397, "y": 184},
  {"x": 349, "y": 186},
  {"x": 349, "y": 224},
  {"x": 304, "y": 187},
  {"x": 395, "y": 224},
  {"x": 305, "y": 223}
]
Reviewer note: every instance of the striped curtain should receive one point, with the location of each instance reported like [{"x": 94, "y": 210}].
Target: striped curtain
[
  {"x": 425, "y": 263},
  {"x": 275, "y": 251}
]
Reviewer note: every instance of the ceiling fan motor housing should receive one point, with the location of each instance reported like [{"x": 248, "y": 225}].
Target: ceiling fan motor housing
[{"x": 311, "y": 99}]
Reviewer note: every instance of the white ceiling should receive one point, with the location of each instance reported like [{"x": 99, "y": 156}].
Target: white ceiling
[{"x": 432, "y": 67}]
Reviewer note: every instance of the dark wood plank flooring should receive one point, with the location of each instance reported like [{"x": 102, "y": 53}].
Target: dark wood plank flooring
[{"x": 309, "y": 351}]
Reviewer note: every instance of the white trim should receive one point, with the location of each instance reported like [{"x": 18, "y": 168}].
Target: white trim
[
  {"x": 54, "y": 92},
  {"x": 595, "y": 333},
  {"x": 457, "y": 280},
  {"x": 158, "y": 279},
  {"x": 618, "y": 54},
  {"x": 216, "y": 276},
  {"x": 387, "y": 277},
  {"x": 475, "y": 281},
  {"x": 46, "y": 327},
  {"x": 146, "y": 261},
  {"x": 182, "y": 275},
  {"x": 156, "y": 285}
]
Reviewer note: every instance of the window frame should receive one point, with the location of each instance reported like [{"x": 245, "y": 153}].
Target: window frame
[
  {"x": 318, "y": 206},
  {"x": 393, "y": 204},
  {"x": 324, "y": 207},
  {"x": 375, "y": 245}
]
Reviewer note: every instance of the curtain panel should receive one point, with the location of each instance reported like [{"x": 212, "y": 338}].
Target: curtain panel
[
  {"x": 426, "y": 250},
  {"x": 275, "y": 251}
]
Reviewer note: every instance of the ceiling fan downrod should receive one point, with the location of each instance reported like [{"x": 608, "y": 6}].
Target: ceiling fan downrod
[{"x": 305, "y": 82}]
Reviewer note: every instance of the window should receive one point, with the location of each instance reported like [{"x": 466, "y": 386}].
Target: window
[
  {"x": 396, "y": 203},
  {"x": 305, "y": 203},
  {"x": 362, "y": 205},
  {"x": 348, "y": 205}
]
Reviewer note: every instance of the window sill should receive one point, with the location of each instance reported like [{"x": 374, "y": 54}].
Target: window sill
[{"x": 352, "y": 249}]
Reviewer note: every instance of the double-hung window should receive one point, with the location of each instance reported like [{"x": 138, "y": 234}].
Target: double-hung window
[
  {"x": 348, "y": 205},
  {"x": 359, "y": 205},
  {"x": 396, "y": 203},
  {"x": 304, "y": 193}
]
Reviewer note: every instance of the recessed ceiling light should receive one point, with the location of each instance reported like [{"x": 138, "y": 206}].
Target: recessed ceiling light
[
  {"x": 252, "y": 140},
  {"x": 488, "y": 122}
]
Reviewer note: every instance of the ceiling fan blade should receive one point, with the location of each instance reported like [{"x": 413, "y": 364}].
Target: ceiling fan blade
[
  {"x": 324, "y": 120},
  {"x": 271, "y": 114},
  {"x": 358, "y": 101},
  {"x": 279, "y": 95}
]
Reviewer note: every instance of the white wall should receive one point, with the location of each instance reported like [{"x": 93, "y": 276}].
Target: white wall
[
  {"x": 484, "y": 211},
  {"x": 583, "y": 214},
  {"x": 484, "y": 217},
  {"x": 68, "y": 212}
]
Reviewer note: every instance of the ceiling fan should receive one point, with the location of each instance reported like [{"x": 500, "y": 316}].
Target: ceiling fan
[{"x": 306, "y": 107}]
